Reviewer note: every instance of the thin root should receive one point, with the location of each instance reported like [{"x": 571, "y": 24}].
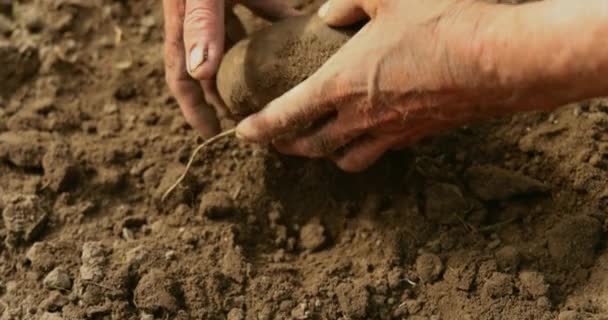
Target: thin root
[{"x": 211, "y": 140}]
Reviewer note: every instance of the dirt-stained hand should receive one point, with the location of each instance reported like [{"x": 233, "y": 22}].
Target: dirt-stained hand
[
  {"x": 411, "y": 71},
  {"x": 194, "y": 46}
]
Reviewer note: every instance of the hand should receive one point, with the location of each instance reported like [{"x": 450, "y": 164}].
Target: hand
[
  {"x": 413, "y": 70},
  {"x": 194, "y": 46}
]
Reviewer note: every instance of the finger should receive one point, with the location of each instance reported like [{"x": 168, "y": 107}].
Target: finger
[
  {"x": 212, "y": 96},
  {"x": 295, "y": 109},
  {"x": 339, "y": 13},
  {"x": 197, "y": 112},
  {"x": 187, "y": 91},
  {"x": 362, "y": 154},
  {"x": 320, "y": 142},
  {"x": 204, "y": 37}
]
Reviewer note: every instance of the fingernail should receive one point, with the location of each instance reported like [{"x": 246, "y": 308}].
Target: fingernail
[
  {"x": 197, "y": 57},
  {"x": 324, "y": 9}
]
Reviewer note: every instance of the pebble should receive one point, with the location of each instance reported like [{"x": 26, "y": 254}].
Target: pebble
[
  {"x": 58, "y": 279},
  {"x": 429, "y": 267}
]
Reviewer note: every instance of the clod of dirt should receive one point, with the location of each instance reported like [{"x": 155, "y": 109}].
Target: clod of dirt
[
  {"x": 44, "y": 256},
  {"x": 23, "y": 149},
  {"x": 24, "y": 218},
  {"x": 58, "y": 279},
  {"x": 497, "y": 286},
  {"x": 18, "y": 64},
  {"x": 460, "y": 272},
  {"x": 217, "y": 205},
  {"x": 353, "y": 299},
  {"x": 54, "y": 302},
  {"x": 570, "y": 315},
  {"x": 156, "y": 293},
  {"x": 109, "y": 180},
  {"x": 507, "y": 259},
  {"x": 573, "y": 241},
  {"x": 533, "y": 284},
  {"x": 493, "y": 183},
  {"x": 429, "y": 267},
  {"x": 275, "y": 59},
  {"x": 94, "y": 259},
  {"x": 312, "y": 235},
  {"x": 60, "y": 170},
  {"x": 445, "y": 203},
  {"x": 236, "y": 314}
]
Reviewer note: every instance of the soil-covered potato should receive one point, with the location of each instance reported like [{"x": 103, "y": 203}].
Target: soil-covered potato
[{"x": 275, "y": 59}]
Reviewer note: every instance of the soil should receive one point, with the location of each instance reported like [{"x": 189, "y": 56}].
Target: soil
[{"x": 503, "y": 220}]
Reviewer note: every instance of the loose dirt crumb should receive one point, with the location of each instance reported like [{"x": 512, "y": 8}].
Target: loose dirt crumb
[
  {"x": 312, "y": 235},
  {"x": 24, "y": 218}
]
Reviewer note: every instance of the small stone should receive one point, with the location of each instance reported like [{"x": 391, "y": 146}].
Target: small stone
[
  {"x": 508, "y": 259},
  {"x": 24, "y": 218},
  {"x": 217, "y": 205},
  {"x": 573, "y": 241},
  {"x": 312, "y": 235},
  {"x": 429, "y": 267},
  {"x": 497, "y": 286},
  {"x": 236, "y": 314},
  {"x": 570, "y": 315},
  {"x": 58, "y": 279},
  {"x": 533, "y": 283}
]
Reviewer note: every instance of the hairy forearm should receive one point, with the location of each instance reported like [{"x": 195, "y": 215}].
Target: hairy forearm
[{"x": 544, "y": 54}]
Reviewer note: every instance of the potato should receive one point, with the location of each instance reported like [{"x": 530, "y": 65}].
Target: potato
[{"x": 273, "y": 60}]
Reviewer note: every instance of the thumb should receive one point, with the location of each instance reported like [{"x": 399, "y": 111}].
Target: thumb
[
  {"x": 204, "y": 37},
  {"x": 341, "y": 13}
]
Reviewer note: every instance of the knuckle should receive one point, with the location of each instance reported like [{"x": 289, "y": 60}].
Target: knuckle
[{"x": 199, "y": 14}]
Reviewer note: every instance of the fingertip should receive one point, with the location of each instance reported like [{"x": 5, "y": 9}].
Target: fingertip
[
  {"x": 246, "y": 130},
  {"x": 204, "y": 61},
  {"x": 341, "y": 13}
]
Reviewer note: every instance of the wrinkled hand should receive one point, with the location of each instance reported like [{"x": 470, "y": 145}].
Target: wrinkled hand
[
  {"x": 194, "y": 46},
  {"x": 410, "y": 72}
]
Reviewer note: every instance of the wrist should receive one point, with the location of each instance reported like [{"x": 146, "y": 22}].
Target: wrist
[{"x": 531, "y": 55}]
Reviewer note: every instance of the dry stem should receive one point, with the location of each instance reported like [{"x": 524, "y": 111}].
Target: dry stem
[{"x": 194, "y": 153}]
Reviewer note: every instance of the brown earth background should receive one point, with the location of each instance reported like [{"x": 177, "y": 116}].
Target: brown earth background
[{"x": 504, "y": 220}]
